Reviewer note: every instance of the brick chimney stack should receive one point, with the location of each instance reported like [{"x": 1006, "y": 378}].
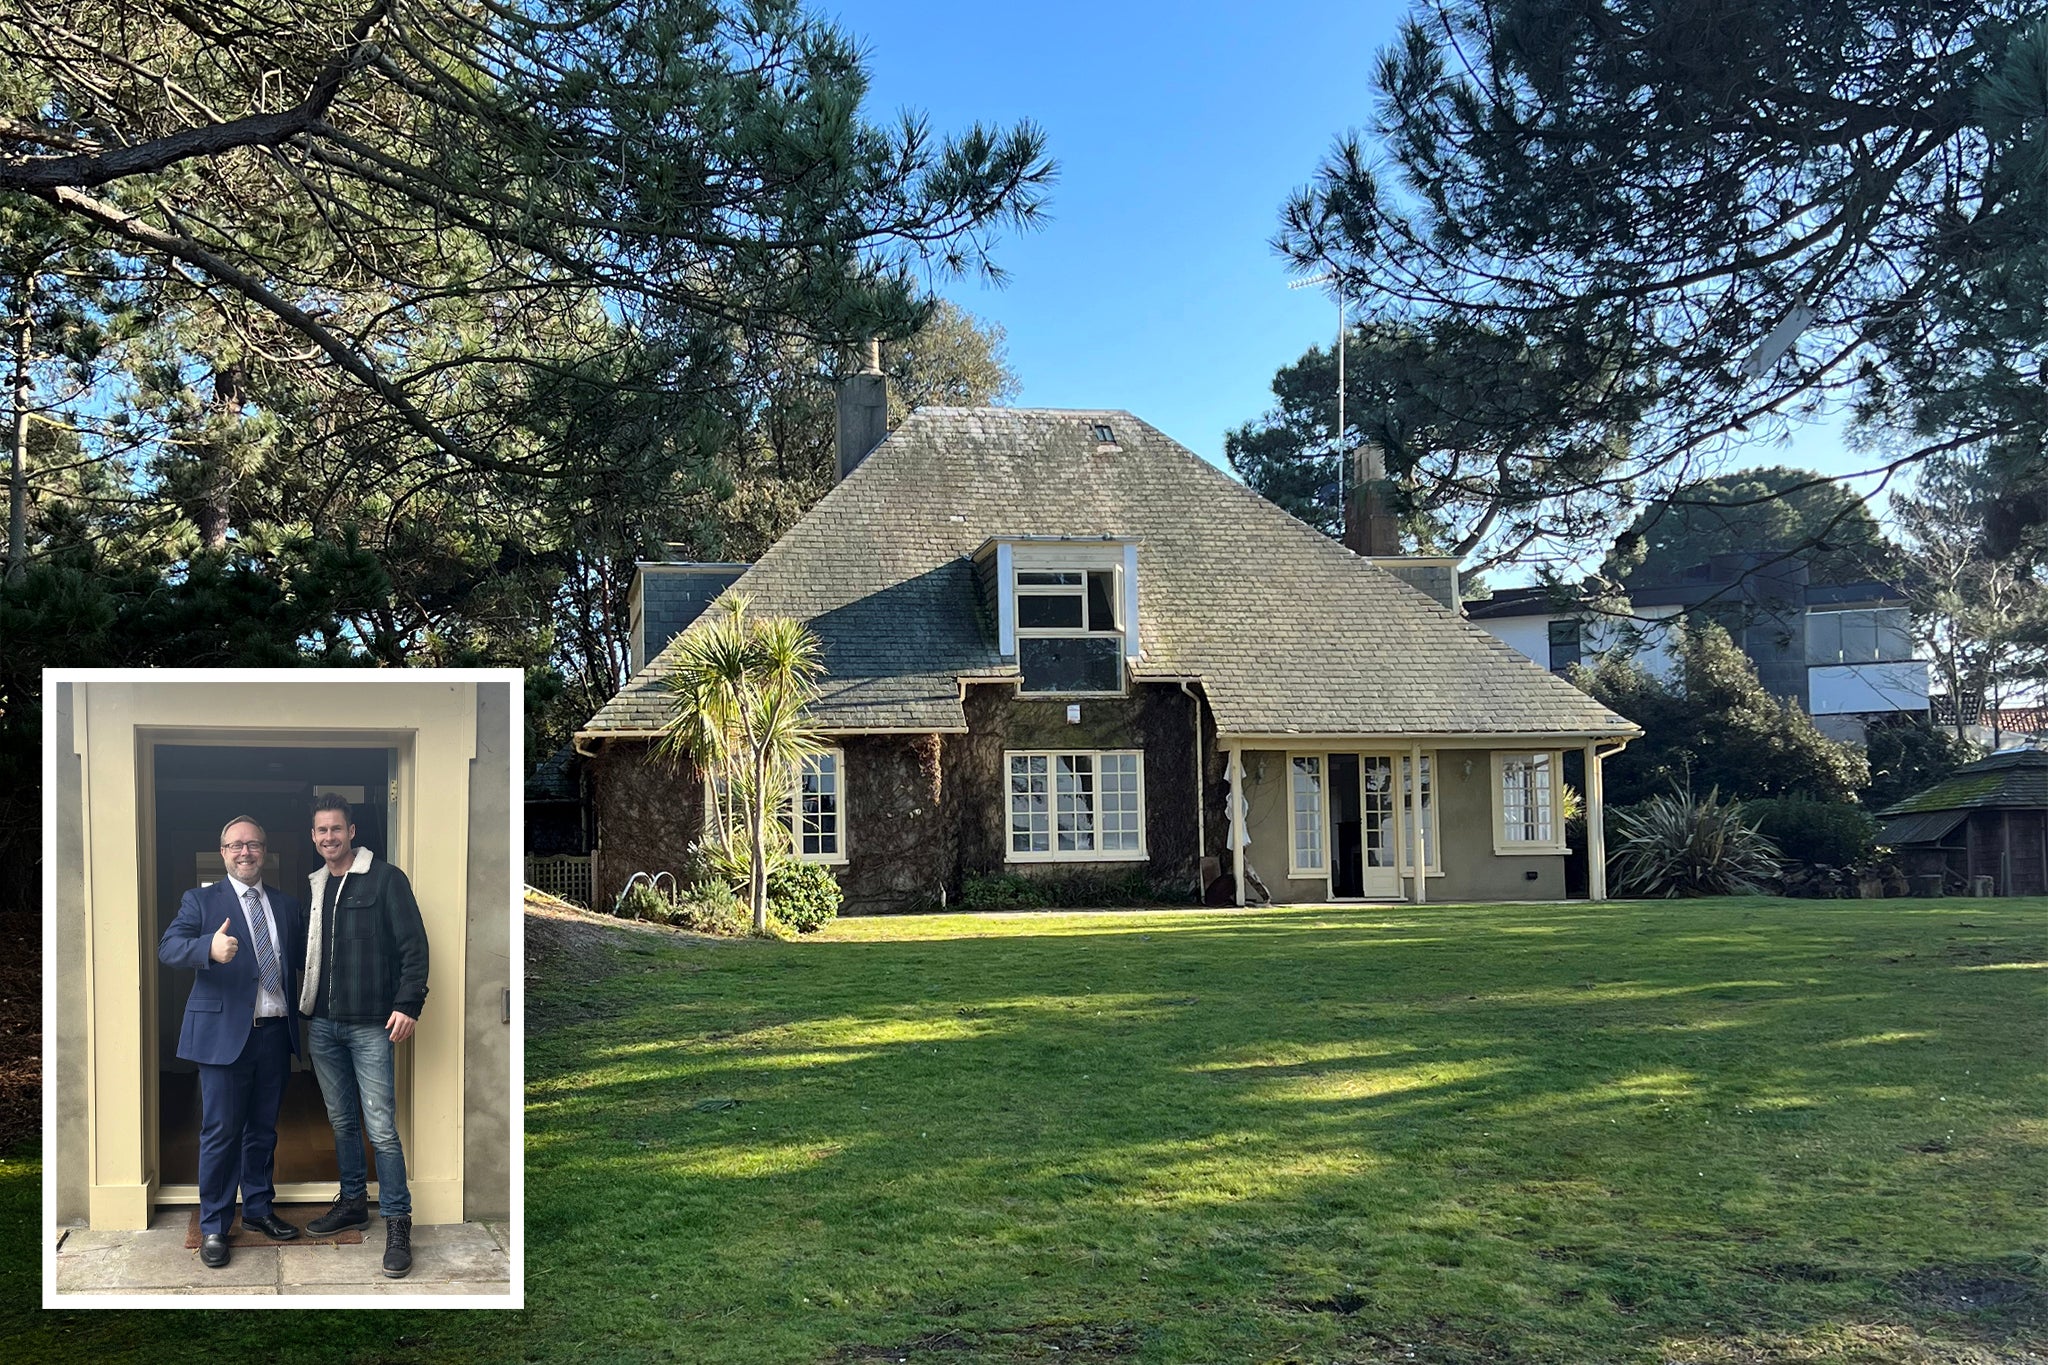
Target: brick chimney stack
[
  {"x": 863, "y": 403},
  {"x": 1369, "y": 526}
]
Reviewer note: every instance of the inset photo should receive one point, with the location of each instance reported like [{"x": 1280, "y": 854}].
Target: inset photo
[{"x": 280, "y": 1006}]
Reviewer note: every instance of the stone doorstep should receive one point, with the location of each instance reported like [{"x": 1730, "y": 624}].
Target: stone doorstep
[
  {"x": 450, "y": 1251},
  {"x": 117, "y": 1262},
  {"x": 157, "y": 1261}
]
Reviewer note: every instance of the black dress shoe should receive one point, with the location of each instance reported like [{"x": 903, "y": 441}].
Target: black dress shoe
[
  {"x": 213, "y": 1250},
  {"x": 271, "y": 1226}
]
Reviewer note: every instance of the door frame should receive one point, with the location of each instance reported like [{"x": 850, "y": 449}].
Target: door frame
[
  {"x": 115, "y": 728},
  {"x": 399, "y": 834},
  {"x": 1398, "y": 825}
]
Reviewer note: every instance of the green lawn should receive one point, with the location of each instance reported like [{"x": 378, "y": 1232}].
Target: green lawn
[{"x": 1705, "y": 1131}]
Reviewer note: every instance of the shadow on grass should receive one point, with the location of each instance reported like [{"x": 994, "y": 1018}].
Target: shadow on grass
[{"x": 1529, "y": 1129}]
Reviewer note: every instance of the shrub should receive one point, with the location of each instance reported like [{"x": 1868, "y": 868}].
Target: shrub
[
  {"x": 642, "y": 901},
  {"x": 1007, "y": 891},
  {"x": 1001, "y": 891},
  {"x": 1823, "y": 832},
  {"x": 713, "y": 908},
  {"x": 715, "y": 860},
  {"x": 803, "y": 896},
  {"x": 1680, "y": 845}
]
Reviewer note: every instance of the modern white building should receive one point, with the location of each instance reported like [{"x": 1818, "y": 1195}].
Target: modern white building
[{"x": 1843, "y": 652}]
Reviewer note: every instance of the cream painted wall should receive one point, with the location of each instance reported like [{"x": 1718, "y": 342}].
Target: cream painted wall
[
  {"x": 66, "y": 1084},
  {"x": 1472, "y": 871},
  {"x": 489, "y": 1096}
]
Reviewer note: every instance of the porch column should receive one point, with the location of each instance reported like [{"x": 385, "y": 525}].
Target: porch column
[
  {"x": 1237, "y": 802},
  {"x": 1596, "y": 827},
  {"x": 1414, "y": 820}
]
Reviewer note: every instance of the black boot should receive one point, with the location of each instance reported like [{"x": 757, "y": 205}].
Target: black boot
[
  {"x": 346, "y": 1213},
  {"x": 397, "y": 1247}
]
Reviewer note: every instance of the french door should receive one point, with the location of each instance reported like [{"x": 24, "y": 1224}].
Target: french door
[{"x": 1365, "y": 839}]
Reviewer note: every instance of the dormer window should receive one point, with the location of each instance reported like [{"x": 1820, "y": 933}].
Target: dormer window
[
  {"x": 1069, "y": 635},
  {"x": 1067, "y": 600},
  {"x": 1065, "y": 609}
]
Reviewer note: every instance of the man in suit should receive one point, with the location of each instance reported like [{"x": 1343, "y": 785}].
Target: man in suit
[{"x": 243, "y": 941}]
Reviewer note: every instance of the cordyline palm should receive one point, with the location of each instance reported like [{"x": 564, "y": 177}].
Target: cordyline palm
[{"x": 740, "y": 690}]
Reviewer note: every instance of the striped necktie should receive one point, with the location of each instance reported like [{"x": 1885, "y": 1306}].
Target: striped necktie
[{"x": 266, "y": 951}]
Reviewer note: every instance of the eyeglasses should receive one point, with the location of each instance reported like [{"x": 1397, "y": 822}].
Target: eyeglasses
[{"x": 251, "y": 845}]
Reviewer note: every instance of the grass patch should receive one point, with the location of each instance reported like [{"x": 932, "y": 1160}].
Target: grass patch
[
  {"x": 1541, "y": 1132},
  {"x": 1708, "y": 1131}
]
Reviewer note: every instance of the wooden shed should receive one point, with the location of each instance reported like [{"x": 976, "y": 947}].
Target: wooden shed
[{"x": 1986, "y": 825}]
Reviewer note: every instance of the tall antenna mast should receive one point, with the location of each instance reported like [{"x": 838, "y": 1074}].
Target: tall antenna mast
[{"x": 1343, "y": 466}]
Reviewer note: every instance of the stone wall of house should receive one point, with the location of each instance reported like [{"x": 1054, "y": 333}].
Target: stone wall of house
[
  {"x": 648, "y": 811},
  {"x": 899, "y": 837},
  {"x": 924, "y": 812},
  {"x": 1157, "y": 718}
]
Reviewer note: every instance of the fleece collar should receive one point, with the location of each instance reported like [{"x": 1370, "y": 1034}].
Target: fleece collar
[{"x": 319, "y": 876}]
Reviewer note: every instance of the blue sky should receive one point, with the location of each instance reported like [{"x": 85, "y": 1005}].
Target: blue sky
[{"x": 1179, "y": 130}]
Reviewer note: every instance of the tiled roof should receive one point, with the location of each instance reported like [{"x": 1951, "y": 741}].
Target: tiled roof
[
  {"x": 2014, "y": 778},
  {"x": 1289, "y": 632},
  {"x": 554, "y": 779}
]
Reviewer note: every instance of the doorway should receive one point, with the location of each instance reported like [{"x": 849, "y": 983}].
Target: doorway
[
  {"x": 196, "y": 788},
  {"x": 1364, "y": 838}
]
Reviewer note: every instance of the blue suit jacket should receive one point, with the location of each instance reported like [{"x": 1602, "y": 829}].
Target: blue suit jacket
[{"x": 223, "y": 1000}]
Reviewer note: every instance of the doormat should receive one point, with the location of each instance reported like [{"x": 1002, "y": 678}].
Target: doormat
[{"x": 298, "y": 1215}]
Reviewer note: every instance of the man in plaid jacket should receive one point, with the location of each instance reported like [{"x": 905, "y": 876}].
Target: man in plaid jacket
[{"x": 364, "y": 987}]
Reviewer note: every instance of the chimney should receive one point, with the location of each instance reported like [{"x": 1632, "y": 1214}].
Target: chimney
[
  {"x": 1369, "y": 528},
  {"x": 863, "y": 411}
]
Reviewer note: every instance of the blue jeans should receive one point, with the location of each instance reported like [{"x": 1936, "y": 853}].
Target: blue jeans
[{"x": 354, "y": 1065}]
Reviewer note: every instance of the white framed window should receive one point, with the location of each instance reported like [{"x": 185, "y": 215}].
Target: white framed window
[
  {"x": 813, "y": 811},
  {"x": 819, "y": 828},
  {"x": 1425, "y": 820},
  {"x": 1527, "y": 808},
  {"x": 1087, "y": 805},
  {"x": 1070, "y": 630},
  {"x": 1305, "y": 815}
]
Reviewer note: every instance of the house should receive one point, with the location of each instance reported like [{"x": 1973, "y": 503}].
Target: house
[
  {"x": 1057, "y": 643},
  {"x": 1842, "y": 652},
  {"x": 1985, "y": 825}
]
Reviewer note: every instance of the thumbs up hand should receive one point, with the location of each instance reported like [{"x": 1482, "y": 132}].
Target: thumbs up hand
[{"x": 224, "y": 944}]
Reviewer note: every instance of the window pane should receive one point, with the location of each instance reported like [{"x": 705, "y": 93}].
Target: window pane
[
  {"x": 818, "y": 806},
  {"x": 1102, "y": 601},
  {"x": 1074, "y": 787},
  {"x": 1894, "y": 635},
  {"x": 1377, "y": 774},
  {"x": 1528, "y": 797},
  {"x": 1425, "y": 829},
  {"x": 1049, "y": 611},
  {"x": 1859, "y": 637},
  {"x": 1117, "y": 804},
  {"x": 1042, "y": 578},
  {"x": 1030, "y": 814},
  {"x": 1824, "y": 637},
  {"x": 1308, "y": 814},
  {"x": 1077, "y": 663},
  {"x": 1564, "y": 645}
]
